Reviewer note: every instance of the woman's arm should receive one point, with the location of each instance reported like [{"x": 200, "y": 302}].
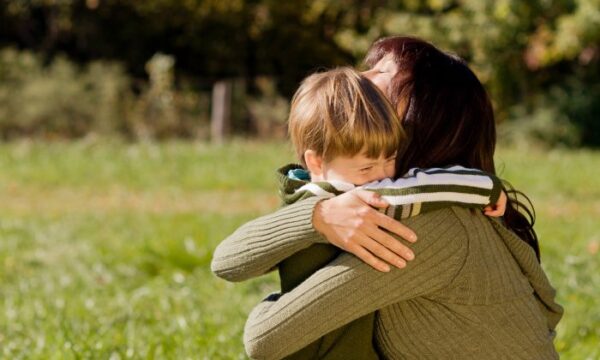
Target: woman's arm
[
  {"x": 347, "y": 289},
  {"x": 349, "y": 221},
  {"x": 257, "y": 246},
  {"x": 350, "y": 225}
]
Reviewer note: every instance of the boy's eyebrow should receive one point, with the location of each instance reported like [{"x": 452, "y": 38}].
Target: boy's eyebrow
[
  {"x": 370, "y": 163},
  {"x": 364, "y": 164},
  {"x": 374, "y": 162}
]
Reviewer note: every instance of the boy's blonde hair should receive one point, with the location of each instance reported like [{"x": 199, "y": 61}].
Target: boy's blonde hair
[{"x": 342, "y": 113}]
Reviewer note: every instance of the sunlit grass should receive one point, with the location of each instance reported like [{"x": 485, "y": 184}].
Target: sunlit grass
[{"x": 105, "y": 246}]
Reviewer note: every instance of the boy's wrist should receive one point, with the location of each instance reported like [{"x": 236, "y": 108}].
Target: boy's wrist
[{"x": 496, "y": 190}]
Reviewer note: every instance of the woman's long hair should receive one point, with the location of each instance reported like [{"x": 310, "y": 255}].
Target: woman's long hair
[{"x": 448, "y": 117}]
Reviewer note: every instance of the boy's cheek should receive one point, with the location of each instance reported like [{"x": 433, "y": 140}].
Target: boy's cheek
[{"x": 390, "y": 171}]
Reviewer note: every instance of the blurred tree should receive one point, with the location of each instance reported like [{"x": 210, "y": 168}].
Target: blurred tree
[
  {"x": 530, "y": 54},
  {"x": 533, "y": 55},
  {"x": 210, "y": 39}
]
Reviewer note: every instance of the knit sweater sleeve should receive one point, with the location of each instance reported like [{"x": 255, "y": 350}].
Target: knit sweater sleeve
[
  {"x": 259, "y": 245},
  {"x": 347, "y": 289}
]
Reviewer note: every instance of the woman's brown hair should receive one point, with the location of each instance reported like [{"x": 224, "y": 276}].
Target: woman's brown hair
[{"x": 448, "y": 117}]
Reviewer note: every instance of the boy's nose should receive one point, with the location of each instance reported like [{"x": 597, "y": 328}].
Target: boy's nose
[{"x": 379, "y": 173}]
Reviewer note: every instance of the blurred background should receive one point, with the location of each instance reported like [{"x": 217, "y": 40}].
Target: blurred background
[
  {"x": 136, "y": 135},
  {"x": 146, "y": 69}
]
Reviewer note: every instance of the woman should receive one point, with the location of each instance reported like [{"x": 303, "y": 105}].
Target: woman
[{"x": 474, "y": 289}]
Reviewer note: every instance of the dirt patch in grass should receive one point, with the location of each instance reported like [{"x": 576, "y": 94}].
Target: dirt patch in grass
[{"x": 57, "y": 201}]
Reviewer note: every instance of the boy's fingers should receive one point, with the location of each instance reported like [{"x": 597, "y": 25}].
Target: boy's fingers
[
  {"x": 493, "y": 213},
  {"x": 501, "y": 204},
  {"x": 394, "y": 226}
]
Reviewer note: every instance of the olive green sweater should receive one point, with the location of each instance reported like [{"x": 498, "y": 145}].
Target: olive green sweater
[
  {"x": 474, "y": 290},
  {"x": 420, "y": 191}
]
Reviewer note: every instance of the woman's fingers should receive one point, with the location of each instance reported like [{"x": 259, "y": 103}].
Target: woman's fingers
[
  {"x": 384, "y": 253},
  {"x": 371, "y": 198},
  {"x": 349, "y": 222},
  {"x": 393, "y": 226},
  {"x": 390, "y": 250},
  {"x": 368, "y": 258}
]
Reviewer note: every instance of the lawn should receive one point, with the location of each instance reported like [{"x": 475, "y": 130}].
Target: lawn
[{"x": 105, "y": 246}]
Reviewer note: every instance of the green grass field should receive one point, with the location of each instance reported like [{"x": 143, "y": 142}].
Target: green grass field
[{"x": 105, "y": 247}]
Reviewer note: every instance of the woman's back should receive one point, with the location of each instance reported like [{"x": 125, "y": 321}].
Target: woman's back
[
  {"x": 474, "y": 290},
  {"x": 487, "y": 310}
]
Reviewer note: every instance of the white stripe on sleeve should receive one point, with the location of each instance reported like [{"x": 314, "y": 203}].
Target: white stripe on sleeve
[
  {"x": 342, "y": 185},
  {"x": 315, "y": 189},
  {"x": 436, "y": 197},
  {"x": 478, "y": 181}
]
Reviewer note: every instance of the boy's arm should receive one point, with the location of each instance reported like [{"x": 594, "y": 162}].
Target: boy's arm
[{"x": 424, "y": 190}]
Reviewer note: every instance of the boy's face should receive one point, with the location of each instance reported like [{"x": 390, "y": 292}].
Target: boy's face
[{"x": 358, "y": 169}]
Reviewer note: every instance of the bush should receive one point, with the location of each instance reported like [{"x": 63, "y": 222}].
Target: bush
[
  {"x": 59, "y": 99},
  {"x": 268, "y": 112},
  {"x": 162, "y": 111},
  {"x": 545, "y": 126},
  {"x": 564, "y": 115},
  {"x": 65, "y": 100}
]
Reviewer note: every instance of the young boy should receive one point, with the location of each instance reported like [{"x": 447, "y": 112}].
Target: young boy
[{"x": 347, "y": 135}]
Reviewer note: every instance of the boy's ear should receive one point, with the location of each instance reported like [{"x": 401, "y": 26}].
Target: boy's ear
[{"x": 314, "y": 162}]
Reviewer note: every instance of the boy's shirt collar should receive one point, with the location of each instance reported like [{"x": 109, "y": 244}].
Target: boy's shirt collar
[
  {"x": 299, "y": 174},
  {"x": 293, "y": 187},
  {"x": 288, "y": 185}
]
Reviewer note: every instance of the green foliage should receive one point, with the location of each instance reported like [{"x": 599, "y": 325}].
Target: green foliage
[
  {"x": 522, "y": 50},
  {"x": 114, "y": 262},
  {"x": 269, "y": 110},
  {"x": 525, "y": 52},
  {"x": 162, "y": 110},
  {"x": 59, "y": 99},
  {"x": 62, "y": 99}
]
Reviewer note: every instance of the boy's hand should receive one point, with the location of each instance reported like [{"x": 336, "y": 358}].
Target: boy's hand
[
  {"x": 349, "y": 222},
  {"x": 498, "y": 209}
]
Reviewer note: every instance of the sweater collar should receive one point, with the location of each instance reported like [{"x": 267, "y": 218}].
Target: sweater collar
[{"x": 289, "y": 185}]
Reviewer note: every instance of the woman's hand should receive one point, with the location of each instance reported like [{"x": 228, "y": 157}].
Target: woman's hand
[
  {"x": 349, "y": 222},
  {"x": 497, "y": 209}
]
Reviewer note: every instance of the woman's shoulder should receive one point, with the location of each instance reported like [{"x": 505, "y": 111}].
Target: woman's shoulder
[
  {"x": 457, "y": 229},
  {"x": 448, "y": 221},
  {"x": 440, "y": 234},
  {"x": 462, "y": 220}
]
